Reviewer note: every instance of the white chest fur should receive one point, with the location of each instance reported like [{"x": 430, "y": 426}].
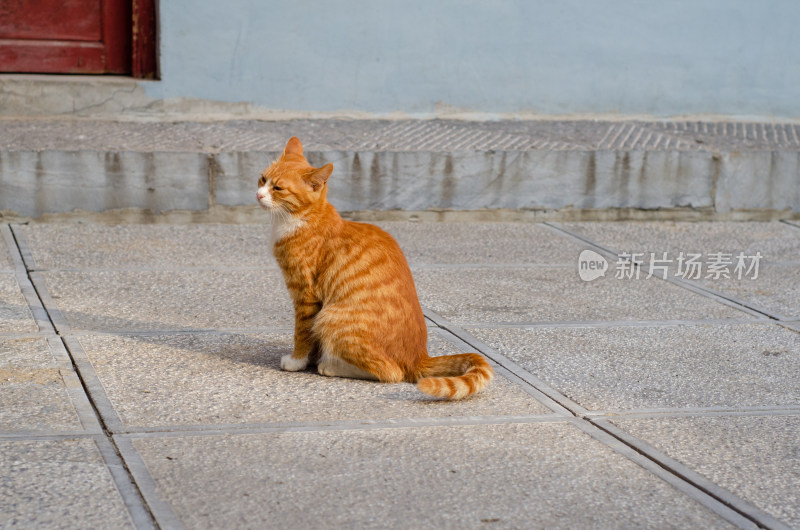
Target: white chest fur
[{"x": 283, "y": 226}]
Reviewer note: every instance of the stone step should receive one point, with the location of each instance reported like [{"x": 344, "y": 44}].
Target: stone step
[{"x": 714, "y": 169}]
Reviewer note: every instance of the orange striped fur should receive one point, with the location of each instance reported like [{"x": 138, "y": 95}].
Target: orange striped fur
[{"x": 356, "y": 307}]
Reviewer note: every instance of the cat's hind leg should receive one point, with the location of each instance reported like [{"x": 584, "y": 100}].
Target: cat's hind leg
[
  {"x": 349, "y": 348},
  {"x": 332, "y": 366},
  {"x": 358, "y": 366},
  {"x": 357, "y": 359}
]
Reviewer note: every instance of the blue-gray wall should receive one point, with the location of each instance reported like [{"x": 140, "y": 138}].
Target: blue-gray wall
[{"x": 737, "y": 58}]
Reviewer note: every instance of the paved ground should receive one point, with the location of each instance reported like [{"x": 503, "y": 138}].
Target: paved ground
[{"x": 140, "y": 383}]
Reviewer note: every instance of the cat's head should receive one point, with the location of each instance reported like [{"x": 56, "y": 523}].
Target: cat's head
[{"x": 291, "y": 184}]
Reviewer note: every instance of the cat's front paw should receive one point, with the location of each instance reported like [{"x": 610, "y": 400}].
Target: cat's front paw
[{"x": 292, "y": 364}]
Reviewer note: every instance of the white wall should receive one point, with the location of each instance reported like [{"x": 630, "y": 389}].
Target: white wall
[{"x": 730, "y": 57}]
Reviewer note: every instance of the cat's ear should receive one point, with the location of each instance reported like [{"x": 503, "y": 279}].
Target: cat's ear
[
  {"x": 293, "y": 147},
  {"x": 318, "y": 177}
]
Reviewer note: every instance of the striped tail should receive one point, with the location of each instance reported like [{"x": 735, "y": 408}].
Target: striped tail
[{"x": 454, "y": 376}]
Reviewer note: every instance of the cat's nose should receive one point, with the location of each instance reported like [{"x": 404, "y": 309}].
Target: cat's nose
[{"x": 259, "y": 196}]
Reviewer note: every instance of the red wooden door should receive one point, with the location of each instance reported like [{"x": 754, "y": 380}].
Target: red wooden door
[{"x": 78, "y": 36}]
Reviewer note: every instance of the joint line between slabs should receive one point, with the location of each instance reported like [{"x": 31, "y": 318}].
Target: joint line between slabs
[
  {"x": 157, "y": 509},
  {"x": 620, "y": 323},
  {"x": 339, "y": 425},
  {"x": 75, "y": 388},
  {"x": 729, "y": 507},
  {"x": 555, "y": 400},
  {"x": 95, "y": 270},
  {"x": 172, "y": 332},
  {"x": 124, "y": 482},
  {"x": 791, "y": 326},
  {"x": 335, "y": 426},
  {"x": 708, "y": 412},
  {"x": 718, "y": 494},
  {"x": 28, "y": 288},
  {"x": 412, "y": 265},
  {"x": 54, "y": 435}
]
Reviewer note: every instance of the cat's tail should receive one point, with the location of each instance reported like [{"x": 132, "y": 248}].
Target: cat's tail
[{"x": 454, "y": 376}]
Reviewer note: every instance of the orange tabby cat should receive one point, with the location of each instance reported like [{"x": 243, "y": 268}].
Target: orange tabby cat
[{"x": 356, "y": 309}]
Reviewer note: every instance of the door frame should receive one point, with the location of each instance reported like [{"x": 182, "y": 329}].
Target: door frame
[{"x": 144, "y": 39}]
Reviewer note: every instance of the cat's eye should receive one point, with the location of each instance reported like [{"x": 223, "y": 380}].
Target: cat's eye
[{"x": 277, "y": 188}]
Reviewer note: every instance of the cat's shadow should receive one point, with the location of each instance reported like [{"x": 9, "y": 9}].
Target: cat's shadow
[
  {"x": 260, "y": 349},
  {"x": 397, "y": 392}
]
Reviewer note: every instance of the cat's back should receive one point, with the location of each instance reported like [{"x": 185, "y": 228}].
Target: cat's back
[
  {"x": 375, "y": 243},
  {"x": 370, "y": 232},
  {"x": 369, "y": 257}
]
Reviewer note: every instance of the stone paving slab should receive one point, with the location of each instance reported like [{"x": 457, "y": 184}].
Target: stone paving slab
[
  {"x": 776, "y": 241},
  {"x": 498, "y": 476},
  {"x": 539, "y": 294},
  {"x": 124, "y": 300},
  {"x": 44, "y": 390},
  {"x": 235, "y": 378},
  {"x": 623, "y": 368},
  {"x": 15, "y": 315},
  {"x": 476, "y": 243},
  {"x": 754, "y": 457},
  {"x": 61, "y": 483},
  {"x": 5, "y": 259},
  {"x": 90, "y": 246},
  {"x": 776, "y": 290}
]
